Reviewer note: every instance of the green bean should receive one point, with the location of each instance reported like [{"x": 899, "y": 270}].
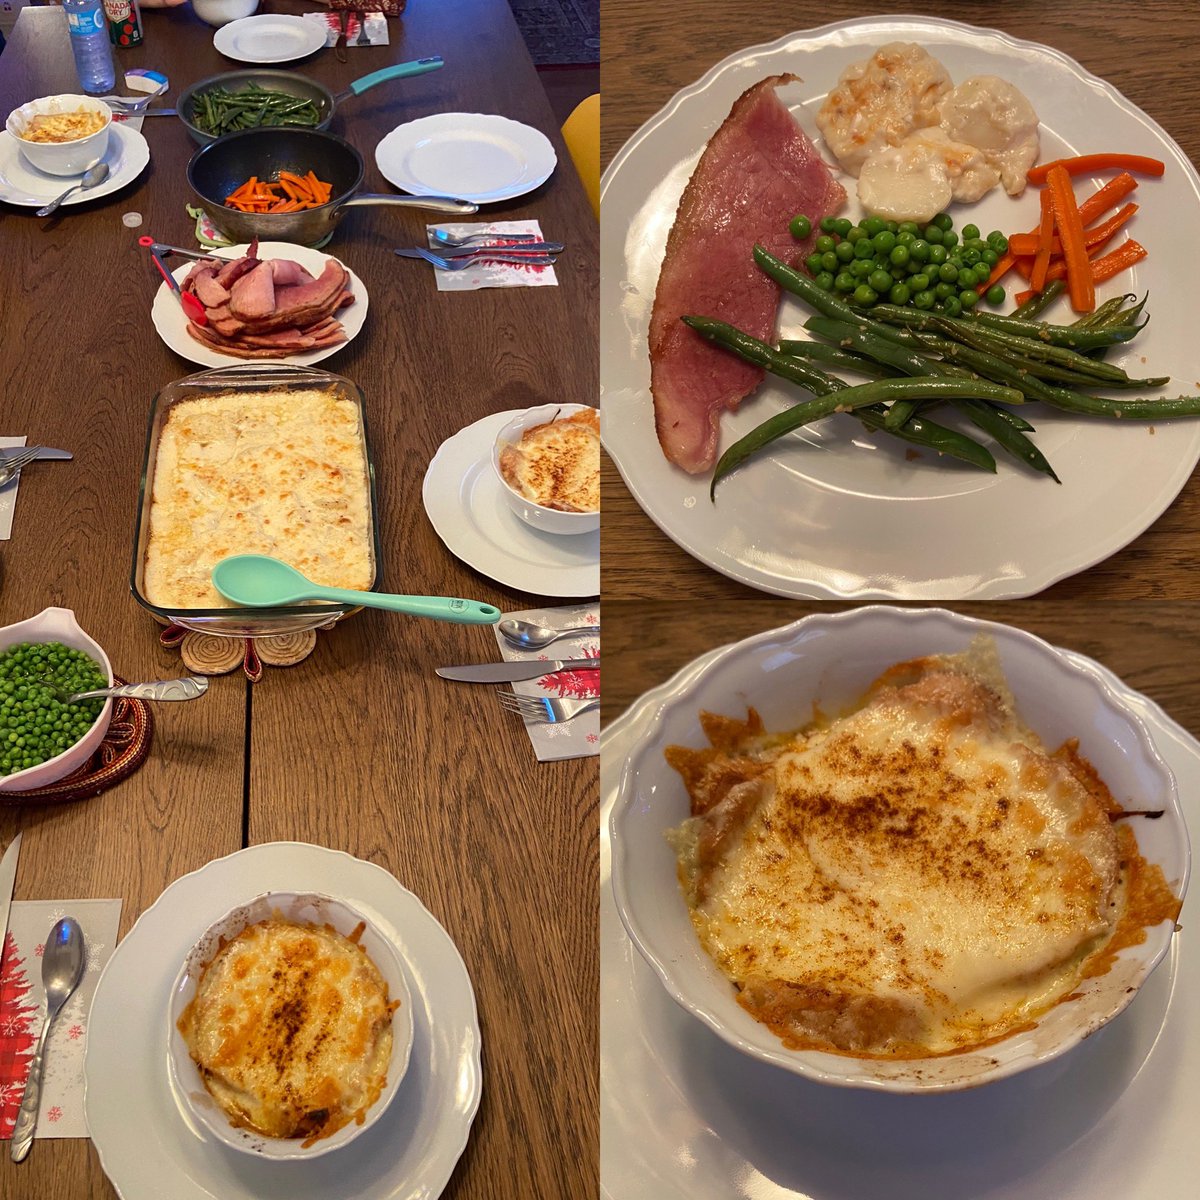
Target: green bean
[
  {"x": 826, "y": 303},
  {"x": 218, "y": 110},
  {"x": 1162, "y": 409},
  {"x": 921, "y": 432},
  {"x": 762, "y": 355},
  {"x": 1013, "y": 440},
  {"x": 831, "y": 356},
  {"x": 1039, "y": 302},
  {"x": 856, "y": 337},
  {"x": 1099, "y": 316}
]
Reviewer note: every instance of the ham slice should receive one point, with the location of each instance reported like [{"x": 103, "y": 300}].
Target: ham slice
[
  {"x": 757, "y": 172},
  {"x": 253, "y": 295}
]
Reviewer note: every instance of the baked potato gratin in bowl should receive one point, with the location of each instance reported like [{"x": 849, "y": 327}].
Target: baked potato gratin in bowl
[
  {"x": 899, "y": 849},
  {"x": 290, "y": 1026}
]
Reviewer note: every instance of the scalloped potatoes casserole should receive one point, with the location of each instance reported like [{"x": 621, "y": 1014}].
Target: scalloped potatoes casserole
[
  {"x": 918, "y": 877},
  {"x": 557, "y": 464},
  {"x": 291, "y": 1029}
]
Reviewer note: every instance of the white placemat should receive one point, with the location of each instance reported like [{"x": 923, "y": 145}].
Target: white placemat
[
  {"x": 580, "y": 737},
  {"x": 490, "y": 274}
]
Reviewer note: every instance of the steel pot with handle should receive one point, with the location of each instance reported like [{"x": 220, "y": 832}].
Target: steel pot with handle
[{"x": 218, "y": 169}]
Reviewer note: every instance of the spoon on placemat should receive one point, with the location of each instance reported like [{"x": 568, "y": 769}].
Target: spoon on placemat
[
  {"x": 62, "y": 968},
  {"x": 259, "y": 581},
  {"x": 528, "y": 636},
  {"x": 97, "y": 173}
]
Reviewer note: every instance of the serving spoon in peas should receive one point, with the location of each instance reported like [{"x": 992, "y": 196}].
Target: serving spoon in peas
[{"x": 159, "y": 689}]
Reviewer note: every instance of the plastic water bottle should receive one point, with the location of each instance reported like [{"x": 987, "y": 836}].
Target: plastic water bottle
[{"x": 89, "y": 43}]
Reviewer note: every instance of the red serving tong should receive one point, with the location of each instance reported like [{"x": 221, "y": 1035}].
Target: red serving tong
[{"x": 192, "y": 307}]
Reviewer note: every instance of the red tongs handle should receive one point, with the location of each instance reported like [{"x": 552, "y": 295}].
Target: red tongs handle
[{"x": 192, "y": 307}]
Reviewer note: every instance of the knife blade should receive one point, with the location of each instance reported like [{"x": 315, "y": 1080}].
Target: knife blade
[
  {"x": 506, "y": 247},
  {"x": 46, "y": 452},
  {"x": 514, "y": 672},
  {"x": 155, "y": 112},
  {"x": 8, "y": 876}
]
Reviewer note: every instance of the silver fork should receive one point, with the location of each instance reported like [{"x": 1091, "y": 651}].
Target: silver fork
[
  {"x": 470, "y": 239},
  {"x": 129, "y": 107},
  {"x": 544, "y": 710},
  {"x": 461, "y": 264},
  {"x": 10, "y": 466}
]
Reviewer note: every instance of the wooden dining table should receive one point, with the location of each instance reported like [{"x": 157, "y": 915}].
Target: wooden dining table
[
  {"x": 652, "y": 51},
  {"x": 360, "y": 747}
]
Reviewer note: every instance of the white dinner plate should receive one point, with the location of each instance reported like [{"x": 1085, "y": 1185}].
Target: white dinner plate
[
  {"x": 464, "y": 502},
  {"x": 169, "y": 319},
  {"x": 474, "y": 156},
  {"x": 833, "y": 511},
  {"x": 146, "y": 1147},
  {"x": 686, "y": 1117},
  {"x": 127, "y": 155},
  {"x": 269, "y": 38}
]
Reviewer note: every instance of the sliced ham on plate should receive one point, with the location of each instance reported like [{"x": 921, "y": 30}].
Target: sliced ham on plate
[{"x": 757, "y": 172}]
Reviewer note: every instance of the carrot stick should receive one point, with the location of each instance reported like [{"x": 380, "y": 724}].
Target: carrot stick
[
  {"x": 1085, "y": 164},
  {"x": 1108, "y": 265},
  {"x": 1025, "y": 244},
  {"x": 1021, "y": 297},
  {"x": 1101, "y": 201},
  {"x": 1041, "y": 259},
  {"x": 1080, "y": 284}
]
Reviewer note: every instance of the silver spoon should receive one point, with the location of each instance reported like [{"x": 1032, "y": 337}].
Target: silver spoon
[
  {"x": 449, "y": 239},
  {"x": 528, "y": 636},
  {"x": 95, "y": 174},
  {"x": 188, "y": 688},
  {"x": 62, "y": 968}
]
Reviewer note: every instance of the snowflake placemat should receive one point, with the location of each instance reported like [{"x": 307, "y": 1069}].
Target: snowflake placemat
[
  {"x": 491, "y": 274},
  {"x": 8, "y": 495},
  {"x": 23, "y": 1004},
  {"x": 579, "y": 737}
]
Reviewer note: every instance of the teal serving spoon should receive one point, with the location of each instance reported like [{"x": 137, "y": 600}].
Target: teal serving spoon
[{"x": 259, "y": 581}]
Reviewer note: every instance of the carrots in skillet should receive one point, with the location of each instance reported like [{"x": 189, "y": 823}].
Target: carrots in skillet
[{"x": 289, "y": 193}]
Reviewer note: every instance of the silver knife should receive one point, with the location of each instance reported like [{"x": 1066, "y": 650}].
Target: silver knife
[
  {"x": 514, "y": 672},
  {"x": 8, "y": 876},
  {"x": 505, "y": 247},
  {"x": 46, "y": 452}
]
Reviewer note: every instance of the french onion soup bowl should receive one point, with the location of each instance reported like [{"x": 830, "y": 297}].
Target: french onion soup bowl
[{"x": 903, "y": 850}]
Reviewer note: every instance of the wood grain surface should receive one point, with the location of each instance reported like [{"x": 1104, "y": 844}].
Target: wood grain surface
[
  {"x": 359, "y": 748},
  {"x": 651, "y": 51}
]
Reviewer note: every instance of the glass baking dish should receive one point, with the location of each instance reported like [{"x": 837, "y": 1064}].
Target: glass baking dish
[{"x": 233, "y": 621}]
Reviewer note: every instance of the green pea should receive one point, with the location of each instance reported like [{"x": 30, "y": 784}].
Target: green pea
[
  {"x": 860, "y": 268},
  {"x": 824, "y": 280},
  {"x": 949, "y": 238},
  {"x": 827, "y": 224},
  {"x": 952, "y": 306},
  {"x": 864, "y": 248},
  {"x": 943, "y": 221},
  {"x": 873, "y": 225},
  {"x": 842, "y": 226},
  {"x": 921, "y": 250},
  {"x": 899, "y": 294},
  {"x": 899, "y": 256},
  {"x": 824, "y": 244},
  {"x": 966, "y": 278},
  {"x": 918, "y": 281},
  {"x": 883, "y": 241},
  {"x": 938, "y": 254},
  {"x": 997, "y": 241},
  {"x": 947, "y": 272},
  {"x": 865, "y": 296},
  {"x": 813, "y": 263},
  {"x": 933, "y": 235},
  {"x": 829, "y": 261},
  {"x": 923, "y": 299},
  {"x": 881, "y": 281},
  {"x": 943, "y": 291},
  {"x": 995, "y": 295},
  {"x": 844, "y": 251},
  {"x": 990, "y": 257},
  {"x": 970, "y": 231},
  {"x": 909, "y": 227},
  {"x": 800, "y": 227},
  {"x": 844, "y": 282},
  {"x": 969, "y": 257},
  {"x": 856, "y": 234},
  {"x": 968, "y": 298}
]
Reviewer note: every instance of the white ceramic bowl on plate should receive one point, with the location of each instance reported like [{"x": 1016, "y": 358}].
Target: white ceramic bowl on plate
[
  {"x": 60, "y": 158},
  {"x": 306, "y": 908},
  {"x": 548, "y": 520},
  {"x": 833, "y": 658},
  {"x": 221, "y": 12},
  {"x": 58, "y": 625}
]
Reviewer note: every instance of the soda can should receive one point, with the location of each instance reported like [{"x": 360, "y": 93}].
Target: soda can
[{"x": 124, "y": 22}]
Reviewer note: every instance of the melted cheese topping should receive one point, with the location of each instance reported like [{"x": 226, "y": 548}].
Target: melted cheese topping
[
  {"x": 258, "y": 473},
  {"x": 64, "y": 127},
  {"x": 916, "y": 878},
  {"x": 557, "y": 465},
  {"x": 291, "y": 1029}
]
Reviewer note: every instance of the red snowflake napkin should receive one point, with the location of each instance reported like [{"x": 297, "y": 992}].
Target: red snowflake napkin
[
  {"x": 580, "y": 737},
  {"x": 22, "y": 1007}
]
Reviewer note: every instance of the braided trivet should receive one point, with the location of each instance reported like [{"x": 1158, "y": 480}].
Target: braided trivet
[
  {"x": 125, "y": 746},
  {"x": 207, "y": 654}
]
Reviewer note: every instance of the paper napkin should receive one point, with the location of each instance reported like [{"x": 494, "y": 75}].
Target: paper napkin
[
  {"x": 580, "y": 737},
  {"x": 23, "y": 1005},
  {"x": 375, "y": 22},
  {"x": 8, "y": 495},
  {"x": 490, "y": 274}
]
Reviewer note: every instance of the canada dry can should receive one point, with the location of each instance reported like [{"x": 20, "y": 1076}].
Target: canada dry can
[{"x": 124, "y": 22}]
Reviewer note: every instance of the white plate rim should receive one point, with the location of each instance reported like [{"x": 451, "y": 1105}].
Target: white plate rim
[
  {"x": 464, "y": 1081},
  {"x": 814, "y": 581},
  {"x": 471, "y": 448},
  {"x": 225, "y": 39},
  {"x": 624, "y": 1056},
  {"x": 171, "y": 324},
  {"x": 135, "y": 156},
  {"x": 542, "y": 157}
]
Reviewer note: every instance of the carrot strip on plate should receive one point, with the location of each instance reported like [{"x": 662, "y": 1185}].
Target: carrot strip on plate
[
  {"x": 1107, "y": 265},
  {"x": 1024, "y": 244},
  {"x": 1084, "y": 164},
  {"x": 1041, "y": 258},
  {"x": 1080, "y": 284}
]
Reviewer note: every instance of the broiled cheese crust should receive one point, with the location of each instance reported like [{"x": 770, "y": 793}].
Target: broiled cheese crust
[
  {"x": 557, "y": 465},
  {"x": 63, "y": 127},
  {"x": 279, "y": 473},
  {"x": 291, "y": 1028},
  {"x": 916, "y": 878}
]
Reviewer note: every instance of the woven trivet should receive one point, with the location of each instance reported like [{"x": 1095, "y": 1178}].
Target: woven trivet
[
  {"x": 209, "y": 655},
  {"x": 125, "y": 746}
]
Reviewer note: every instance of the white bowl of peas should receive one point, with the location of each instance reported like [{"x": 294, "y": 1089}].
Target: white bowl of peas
[{"x": 41, "y": 739}]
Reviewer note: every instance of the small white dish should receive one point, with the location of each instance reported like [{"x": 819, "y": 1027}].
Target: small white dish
[
  {"x": 63, "y": 159},
  {"x": 58, "y": 625},
  {"x": 301, "y": 908},
  {"x": 474, "y": 156},
  {"x": 147, "y": 1147},
  {"x": 830, "y": 660},
  {"x": 464, "y": 500},
  {"x": 127, "y": 155},
  {"x": 549, "y": 520},
  {"x": 222, "y": 12},
  {"x": 269, "y": 39},
  {"x": 171, "y": 324}
]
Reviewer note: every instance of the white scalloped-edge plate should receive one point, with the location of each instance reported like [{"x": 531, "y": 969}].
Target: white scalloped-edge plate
[
  {"x": 150, "y": 1150},
  {"x": 684, "y": 1116},
  {"x": 833, "y": 511}
]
